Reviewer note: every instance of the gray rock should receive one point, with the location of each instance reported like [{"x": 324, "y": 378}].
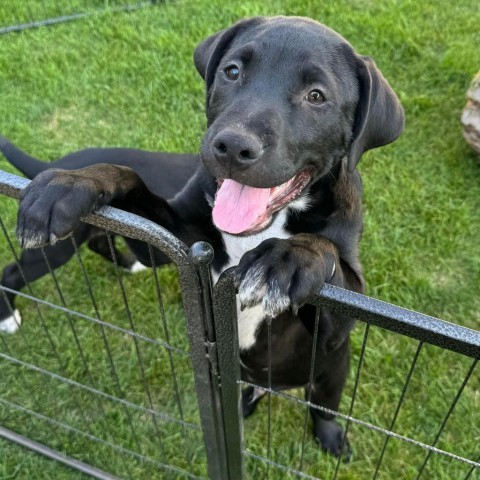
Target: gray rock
[{"x": 471, "y": 115}]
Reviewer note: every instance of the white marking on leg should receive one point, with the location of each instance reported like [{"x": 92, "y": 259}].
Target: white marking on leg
[
  {"x": 258, "y": 392},
  {"x": 137, "y": 267},
  {"x": 248, "y": 322},
  {"x": 12, "y": 323}
]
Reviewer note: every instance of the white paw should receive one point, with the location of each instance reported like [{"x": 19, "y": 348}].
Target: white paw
[
  {"x": 255, "y": 290},
  {"x": 12, "y": 323},
  {"x": 252, "y": 289},
  {"x": 137, "y": 267}
]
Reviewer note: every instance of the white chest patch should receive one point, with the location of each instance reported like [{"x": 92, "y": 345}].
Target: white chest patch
[{"x": 236, "y": 246}]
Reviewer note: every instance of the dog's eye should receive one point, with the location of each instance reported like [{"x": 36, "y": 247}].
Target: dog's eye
[
  {"x": 232, "y": 72},
  {"x": 315, "y": 97}
]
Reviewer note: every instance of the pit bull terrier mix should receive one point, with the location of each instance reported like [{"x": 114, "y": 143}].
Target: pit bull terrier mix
[{"x": 291, "y": 108}]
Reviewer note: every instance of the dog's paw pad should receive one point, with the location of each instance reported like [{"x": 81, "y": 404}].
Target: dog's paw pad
[{"x": 12, "y": 323}]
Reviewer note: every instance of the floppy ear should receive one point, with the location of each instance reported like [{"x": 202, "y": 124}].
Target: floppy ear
[
  {"x": 208, "y": 53},
  {"x": 379, "y": 118}
]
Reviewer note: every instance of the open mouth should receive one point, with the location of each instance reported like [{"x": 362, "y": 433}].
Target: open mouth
[{"x": 243, "y": 210}]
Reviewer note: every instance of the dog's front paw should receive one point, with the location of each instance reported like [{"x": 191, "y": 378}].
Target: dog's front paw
[
  {"x": 331, "y": 437},
  {"x": 51, "y": 206},
  {"x": 281, "y": 274}
]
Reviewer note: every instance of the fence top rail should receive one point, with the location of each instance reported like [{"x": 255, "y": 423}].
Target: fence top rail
[
  {"x": 35, "y": 23},
  {"x": 401, "y": 320},
  {"x": 116, "y": 221},
  {"x": 391, "y": 317}
]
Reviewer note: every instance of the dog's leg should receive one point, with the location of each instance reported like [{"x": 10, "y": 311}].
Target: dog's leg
[
  {"x": 10, "y": 319},
  {"x": 326, "y": 391},
  {"x": 31, "y": 266},
  {"x": 250, "y": 398},
  {"x": 127, "y": 261}
]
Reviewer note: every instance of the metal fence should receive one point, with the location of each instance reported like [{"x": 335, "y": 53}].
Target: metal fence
[
  {"x": 37, "y": 13},
  {"x": 129, "y": 404},
  {"x": 127, "y": 408},
  {"x": 374, "y": 313}
]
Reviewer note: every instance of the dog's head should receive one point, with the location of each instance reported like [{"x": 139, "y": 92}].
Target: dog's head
[{"x": 287, "y": 99}]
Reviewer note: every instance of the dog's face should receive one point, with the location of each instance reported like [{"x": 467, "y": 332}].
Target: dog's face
[{"x": 287, "y": 98}]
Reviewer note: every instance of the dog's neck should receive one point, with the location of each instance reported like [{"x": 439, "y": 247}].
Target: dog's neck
[{"x": 236, "y": 245}]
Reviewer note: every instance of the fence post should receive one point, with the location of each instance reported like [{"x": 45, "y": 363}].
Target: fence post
[
  {"x": 222, "y": 346},
  {"x": 195, "y": 286},
  {"x": 225, "y": 320}
]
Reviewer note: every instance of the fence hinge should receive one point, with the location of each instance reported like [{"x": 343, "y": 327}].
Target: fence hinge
[{"x": 213, "y": 358}]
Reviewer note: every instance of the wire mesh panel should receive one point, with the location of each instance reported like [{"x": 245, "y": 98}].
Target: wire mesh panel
[
  {"x": 404, "y": 417},
  {"x": 101, "y": 369},
  {"x": 145, "y": 382},
  {"x": 35, "y": 13}
]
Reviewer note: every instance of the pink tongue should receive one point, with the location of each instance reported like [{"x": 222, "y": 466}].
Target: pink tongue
[{"x": 238, "y": 207}]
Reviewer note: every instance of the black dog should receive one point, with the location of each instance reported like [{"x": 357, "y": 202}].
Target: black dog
[{"x": 291, "y": 108}]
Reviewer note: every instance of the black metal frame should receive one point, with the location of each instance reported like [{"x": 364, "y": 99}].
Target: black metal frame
[
  {"x": 29, "y": 21},
  {"x": 213, "y": 338},
  {"x": 192, "y": 265},
  {"x": 374, "y": 312}
]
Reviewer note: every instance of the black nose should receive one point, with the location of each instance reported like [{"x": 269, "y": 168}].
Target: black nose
[{"x": 237, "y": 148}]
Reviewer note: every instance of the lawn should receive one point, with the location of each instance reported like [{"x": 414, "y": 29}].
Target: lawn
[{"x": 127, "y": 79}]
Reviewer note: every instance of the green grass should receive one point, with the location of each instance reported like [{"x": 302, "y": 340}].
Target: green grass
[{"x": 129, "y": 80}]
